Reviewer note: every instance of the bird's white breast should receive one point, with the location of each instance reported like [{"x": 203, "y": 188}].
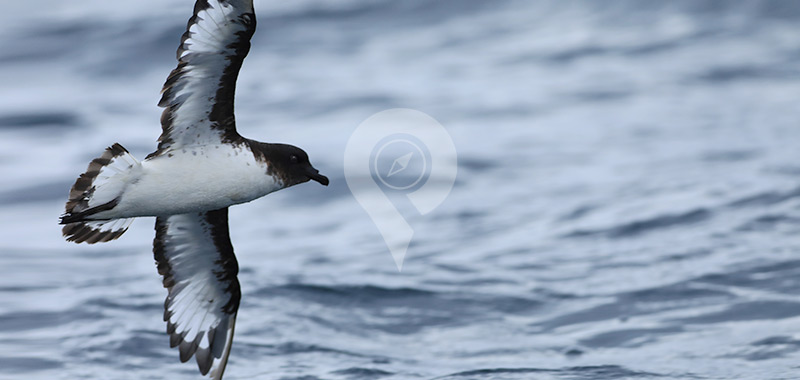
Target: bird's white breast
[{"x": 193, "y": 179}]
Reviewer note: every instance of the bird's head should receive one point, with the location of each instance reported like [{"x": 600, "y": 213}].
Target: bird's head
[{"x": 292, "y": 165}]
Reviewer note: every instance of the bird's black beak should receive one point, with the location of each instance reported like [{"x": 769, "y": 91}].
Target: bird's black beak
[{"x": 314, "y": 174}]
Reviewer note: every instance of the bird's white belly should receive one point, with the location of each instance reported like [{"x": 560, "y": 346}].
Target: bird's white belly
[{"x": 195, "y": 179}]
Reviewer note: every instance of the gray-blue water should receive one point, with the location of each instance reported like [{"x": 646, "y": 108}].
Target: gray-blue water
[{"x": 627, "y": 204}]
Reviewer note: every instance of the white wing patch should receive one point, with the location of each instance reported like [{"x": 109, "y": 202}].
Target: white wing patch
[
  {"x": 195, "y": 256},
  {"x": 198, "y": 94}
]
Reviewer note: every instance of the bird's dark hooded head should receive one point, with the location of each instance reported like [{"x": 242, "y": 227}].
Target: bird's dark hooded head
[{"x": 290, "y": 164}]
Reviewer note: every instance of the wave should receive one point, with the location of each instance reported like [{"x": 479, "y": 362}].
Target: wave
[
  {"x": 574, "y": 373},
  {"x": 643, "y": 226}
]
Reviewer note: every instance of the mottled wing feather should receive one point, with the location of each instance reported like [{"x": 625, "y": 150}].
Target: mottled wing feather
[
  {"x": 194, "y": 254},
  {"x": 198, "y": 94}
]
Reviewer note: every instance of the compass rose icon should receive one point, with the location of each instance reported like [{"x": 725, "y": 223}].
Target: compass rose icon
[{"x": 400, "y": 164}]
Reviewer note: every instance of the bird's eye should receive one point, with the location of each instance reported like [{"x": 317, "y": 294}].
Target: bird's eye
[{"x": 294, "y": 159}]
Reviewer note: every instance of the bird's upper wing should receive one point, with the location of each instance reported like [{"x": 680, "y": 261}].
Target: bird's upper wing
[
  {"x": 195, "y": 256},
  {"x": 198, "y": 94}
]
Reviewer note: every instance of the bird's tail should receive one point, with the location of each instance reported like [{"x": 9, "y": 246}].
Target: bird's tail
[{"x": 97, "y": 190}]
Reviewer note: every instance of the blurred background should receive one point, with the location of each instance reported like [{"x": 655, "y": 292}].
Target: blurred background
[{"x": 627, "y": 204}]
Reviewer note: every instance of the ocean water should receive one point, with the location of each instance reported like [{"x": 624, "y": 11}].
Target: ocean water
[{"x": 627, "y": 204}]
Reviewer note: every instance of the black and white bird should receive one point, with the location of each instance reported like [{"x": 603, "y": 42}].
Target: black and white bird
[{"x": 201, "y": 167}]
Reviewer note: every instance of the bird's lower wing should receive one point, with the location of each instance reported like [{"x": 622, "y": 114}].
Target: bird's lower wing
[{"x": 195, "y": 256}]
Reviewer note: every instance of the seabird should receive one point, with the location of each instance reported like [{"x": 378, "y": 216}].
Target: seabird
[{"x": 201, "y": 167}]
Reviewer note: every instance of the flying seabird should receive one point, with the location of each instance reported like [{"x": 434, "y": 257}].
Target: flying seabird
[{"x": 200, "y": 168}]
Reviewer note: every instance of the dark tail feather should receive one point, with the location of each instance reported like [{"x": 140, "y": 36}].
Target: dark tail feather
[
  {"x": 95, "y": 231},
  {"x": 70, "y": 217},
  {"x": 97, "y": 184},
  {"x": 83, "y": 190}
]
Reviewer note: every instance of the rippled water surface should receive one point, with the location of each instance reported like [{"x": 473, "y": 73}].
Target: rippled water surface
[{"x": 627, "y": 204}]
